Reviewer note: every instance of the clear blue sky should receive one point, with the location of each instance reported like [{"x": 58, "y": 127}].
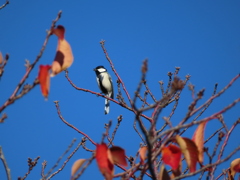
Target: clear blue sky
[{"x": 201, "y": 37}]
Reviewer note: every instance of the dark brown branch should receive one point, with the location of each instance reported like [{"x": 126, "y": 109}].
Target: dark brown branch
[
  {"x": 221, "y": 119},
  {"x": 144, "y": 100},
  {"x": 116, "y": 128},
  {"x": 119, "y": 95},
  {"x": 3, "y": 64},
  {"x": 5, "y": 4},
  {"x": 4, "y": 116},
  {"x": 162, "y": 88},
  {"x": 135, "y": 127},
  {"x": 31, "y": 165},
  {"x": 210, "y": 137},
  {"x": 148, "y": 90},
  {"x": 2, "y": 157},
  {"x": 169, "y": 82}
]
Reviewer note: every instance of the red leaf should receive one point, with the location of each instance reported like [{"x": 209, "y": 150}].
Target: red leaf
[
  {"x": 235, "y": 167},
  {"x": 64, "y": 57},
  {"x": 171, "y": 156},
  {"x": 198, "y": 138},
  {"x": 104, "y": 164},
  {"x": 118, "y": 155},
  {"x": 44, "y": 79},
  {"x": 77, "y": 164},
  {"x": 189, "y": 150},
  {"x": 142, "y": 153},
  {"x": 1, "y": 57}
]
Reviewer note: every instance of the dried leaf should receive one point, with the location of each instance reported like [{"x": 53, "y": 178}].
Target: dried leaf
[
  {"x": 142, "y": 153},
  {"x": 76, "y": 166},
  {"x": 118, "y": 155},
  {"x": 235, "y": 167},
  {"x": 198, "y": 138},
  {"x": 171, "y": 156},
  {"x": 189, "y": 150},
  {"x": 104, "y": 164},
  {"x": 163, "y": 174},
  {"x": 64, "y": 57},
  {"x": 44, "y": 79}
]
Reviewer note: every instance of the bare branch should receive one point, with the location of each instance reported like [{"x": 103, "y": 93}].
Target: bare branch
[
  {"x": 65, "y": 162},
  {"x": 5, "y": 4},
  {"x": 2, "y": 157},
  {"x": 70, "y": 125},
  {"x": 114, "y": 70},
  {"x": 60, "y": 158},
  {"x": 31, "y": 165},
  {"x": 14, "y": 95}
]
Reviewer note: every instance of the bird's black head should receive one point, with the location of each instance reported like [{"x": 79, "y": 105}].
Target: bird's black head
[{"x": 100, "y": 69}]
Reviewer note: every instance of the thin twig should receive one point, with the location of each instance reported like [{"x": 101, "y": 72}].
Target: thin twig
[
  {"x": 114, "y": 70},
  {"x": 5, "y": 4},
  {"x": 116, "y": 128},
  {"x": 2, "y": 66},
  {"x": 4, "y": 161},
  {"x": 70, "y": 125},
  {"x": 85, "y": 167},
  {"x": 60, "y": 158},
  {"x": 31, "y": 165},
  {"x": 148, "y": 90},
  {"x": 65, "y": 162}
]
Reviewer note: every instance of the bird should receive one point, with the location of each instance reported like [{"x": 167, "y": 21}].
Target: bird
[
  {"x": 64, "y": 56},
  {"x": 105, "y": 85}
]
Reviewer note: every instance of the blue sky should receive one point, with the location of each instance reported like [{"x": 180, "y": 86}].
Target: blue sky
[{"x": 201, "y": 37}]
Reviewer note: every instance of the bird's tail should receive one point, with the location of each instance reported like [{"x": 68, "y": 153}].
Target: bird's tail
[{"x": 107, "y": 104}]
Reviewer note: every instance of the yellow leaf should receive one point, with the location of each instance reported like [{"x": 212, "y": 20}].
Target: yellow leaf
[
  {"x": 76, "y": 165},
  {"x": 163, "y": 174},
  {"x": 189, "y": 150},
  {"x": 142, "y": 153},
  {"x": 235, "y": 167},
  {"x": 198, "y": 138}
]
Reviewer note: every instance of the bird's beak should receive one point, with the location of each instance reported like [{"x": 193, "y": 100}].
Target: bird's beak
[{"x": 94, "y": 69}]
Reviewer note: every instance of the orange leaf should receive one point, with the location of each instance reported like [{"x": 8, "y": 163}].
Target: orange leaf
[
  {"x": 171, "y": 156},
  {"x": 77, "y": 164},
  {"x": 189, "y": 150},
  {"x": 163, "y": 174},
  {"x": 118, "y": 155},
  {"x": 44, "y": 79},
  {"x": 104, "y": 164},
  {"x": 142, "y": 153},
  {"x": 198, "y": 138},
  {"x": 235, "y": 167},
  {"x": 64, "y": 57}
]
